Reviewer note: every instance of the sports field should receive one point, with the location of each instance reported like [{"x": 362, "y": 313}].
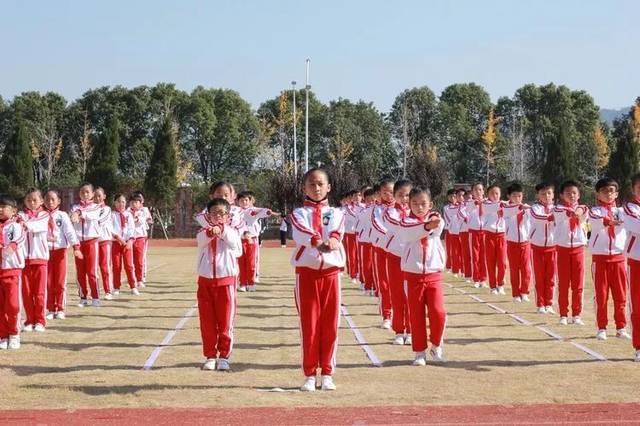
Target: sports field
[{"x": 498, "y": 353}]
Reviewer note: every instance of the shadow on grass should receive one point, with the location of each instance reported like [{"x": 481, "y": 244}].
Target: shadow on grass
[
  {"x": 101, "y": 390},
  {"x": 490, "y": 364}
]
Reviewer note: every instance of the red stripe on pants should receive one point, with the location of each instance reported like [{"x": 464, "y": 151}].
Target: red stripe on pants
[
  {"x": 570, "y": 263},
  {"x": 465, "y": 254},
  {"x": 455, "y": 253},
  {"x": 383, "y": 283},
  {"x": 9, "y": 306},
  {"x": 247, "y": 262},
  {"x": 352, "y": 254},
  {"x": 400, "y": 321},
  {"x": 318, "y": 304},
  {"x": 34, "y": 287},
  {"x": 139, "y": 245},
  {"x": 57, "y": 280},
  {"x": 634, "y": 295},
  {"x": 519, "y": 255},
  {"x": 609, "y": 276},
  {"x": 87, "y": 269},
  {"x": 216, "y": 308},
  {"x": 104, "y": 260},
  {"x": 478, "y": 256},
  {"x": 544, "y": 271},
  {"x": 425, "y": 291},
  {"x": 367, "y": 265},
  {"x": 495, "y": 247},
  {"x": 121, "y": 254}
]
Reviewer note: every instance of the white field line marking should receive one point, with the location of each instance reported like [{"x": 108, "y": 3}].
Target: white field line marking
[
  {"x": 360, "y": 338},
  {"x": 167, "y": 339},
  {"x": 523, "y": 321}
]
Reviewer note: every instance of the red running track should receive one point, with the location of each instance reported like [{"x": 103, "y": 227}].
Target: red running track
[{"x": 574, "y": 414}]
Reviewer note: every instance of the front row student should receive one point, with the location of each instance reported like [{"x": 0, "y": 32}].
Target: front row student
[
  {"x": 632, "y": 225},
  {"x": 218, "y": 247}
]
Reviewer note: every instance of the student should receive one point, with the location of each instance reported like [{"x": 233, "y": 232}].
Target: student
[
  {"x": 318, "y": 258},
  {"x": 363, "y": 232},
  {"x": 495, "y": 244},
  {"x": 140, "y": 237},
  {"x": 517, "y": 229},
  {"x": 105, "y": 242},
  {"x": 449, "y": 213},
  {"x": 475, "y": 216},
  {"x": 570, "y": 240},
  {"x": 11, "y": 266},
  {"x": 34, "y": 276},
  {"x": 61, "y": 236},
  {"x": 350, "y": 242},
  {"x": 632, "y": 250},
  {"x": 122, "y": 228},
  {"x": 607, "y": 244},
  {"x": 283, "y": 232},
  {"x": 462, "y": 197},
  {"x": 249, "y": 260},
  {"x": 422, "y": 263},
  {"x": 400, "y": 322},
  {"x": 543, "y": 247},
  {"x": 148, "y": 222},
  {"x": 218, "y": 248}
]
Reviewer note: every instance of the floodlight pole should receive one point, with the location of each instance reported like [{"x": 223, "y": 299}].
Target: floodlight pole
[{"x": 295, "y": 134}]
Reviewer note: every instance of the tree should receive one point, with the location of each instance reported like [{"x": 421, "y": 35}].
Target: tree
[
  {"x": 560, "y": 163},
  {"x": 489, "y": 137},
  {"x": 160, "y": 184},
  {"x": 625, "y": 160},
  {"x": 103, "y": 167},
  {"x": 17, "y": 163},
  {"x": 601, "y": 150},
  {"x": 427, "y": 170}
]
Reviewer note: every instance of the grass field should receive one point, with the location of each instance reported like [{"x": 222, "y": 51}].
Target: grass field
[{"x": 95, "y": 357}]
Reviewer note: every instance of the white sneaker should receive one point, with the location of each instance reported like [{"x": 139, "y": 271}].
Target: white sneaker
[
  {"x": 494, "y": 291},
  {"x": 82, "y": 303},
  {"x": 223, "y": 364},
  {"x": 501, "y": 290},
  {"x": 467, "y": 280},
  {"x": 386, "y": 324},
  {"x": 309, "y": 384},
  {"x": 14, "y": 342},
  {"x": 563, "y": 321},
  {"x": 283, "y": 246},
  {"x": 550, "y": 310},
  {"x": 251, "y": 288},
  {"x": 60, "y": 315},
  {"x": 399, "y": 339},
  {"x": 116, "y": 292},
  {"x": 27, "y": 328},
  {"x": 108, "y": 296},
  {"x": 407, "y": 340},
  {"x": 517, "y": 299},
  {"x": 483, "y": 284},
  {"x": 327, "y": 383},
  {"x": 421, "y": 359},
  {"x": 4, "y": 343},
  {"x": 50, "y": 316},
  {"x": 637, "y": 358},
  {"x": 95, "y": 303},
  {"x": 542, "y": 310},
  {"x": 39, "y": 328},
  {"x": 623, "y": 334},
  {"x": 601, "y": 335},
  {"x": 141, "y": 285},
  {"x": 209, "y": 364},
  {"x": 476, "y": 285},
  {"x": 578, "y": 321},
  {"x": 455, "y": 275},
  {"x": 135, "y": 292},
  {"x": 525, "y": 297},
  {"x": 242, "y": 288},
  {"x": 436, "y": 354}
]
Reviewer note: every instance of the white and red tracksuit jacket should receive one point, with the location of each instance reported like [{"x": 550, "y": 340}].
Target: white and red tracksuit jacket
[
  {"x": 236, "y": 221},
  {"x": 393, "y": 217},
  {"x": 632, "y": 225},
  {"x": 105, "y": 222},
  {"x": 607, "y": 241},
  {"x": 568, "y": 231},
  {"x": 452, "y": 220},
  {"x": 363, "y": 228},
  {"x": 541, "y": 220},
  {"x": 474, "y": 212},
  {"x": 12, "y": 235},
  {"x": 313, "y": 224},
  {"x": 140, "y": 222},
  {"x": 122, "y": 225},
  {"x": 517, "y": 223},
  {"x": 350, "y": 218},
  {"x": 493, "y": 216},
  {"x": 61, "y": 232},
  {"x": 36, "y": 223},
  {"x": 378, "y": 228},
  {"x": 423, "y": 251},
  {"x": 250, "y": 216},
  {"x": 89, "y": 226},
  {"x": 217, "y": 255}
]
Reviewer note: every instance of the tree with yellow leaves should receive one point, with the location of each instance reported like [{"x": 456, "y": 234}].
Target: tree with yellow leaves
[
  {"x": 601, "y": 149},
  {"x": 489, "y": 137}
]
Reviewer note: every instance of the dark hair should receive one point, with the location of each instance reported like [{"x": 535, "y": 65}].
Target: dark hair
[
  {"x": 55, "y": 191},
  {"x": 7, "y": 200},
  {"x": 32, "y": 190},
  {"x": 385, "y": 181},
  {"x": 376, "y": 188},
  {"x": 136, "y": 197},
  {"x": 635, "y": 179},
  {"x": 417, "y": 190},
  {"x": 569, "y": 184},
  {"x": 219, "y": 202},
  {"x": 99, "y": 188},
  {"x": 451, "y": 192},
  {"x": 476, "y": 184},
  {"x": 544, "y": 185},
  {"x": 402, "y": 183},
  {"x": 459, "y": 190},
  {"x": 490, "y": 187},
  {"x": 83, "y": 184},
  {"x": 607, "y": 181},
  {"x": 369, "y": 192},
  {"x": 118, "y": 195},
  {"x": 246, "y": 194},
  {"x": 316, "y": 170},
  {"x": 514, "y": 187},
  {"x": 219, "y": 184}
]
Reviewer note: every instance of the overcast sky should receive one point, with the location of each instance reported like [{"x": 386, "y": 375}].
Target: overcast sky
[{"x": 369, "y": 50}]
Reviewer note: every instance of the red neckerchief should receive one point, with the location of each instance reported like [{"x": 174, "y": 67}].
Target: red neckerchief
[
  {"x": 316, "y": 218},
  {"x": 609, "y": 206},
  {"x": 52, "y": 224},
  {"x": 635, "y": 200},
  {"x": 573, "y": 219},
  {"x": 547, "y": 207},
  {"x": 123, "y": 218},
  {"x": 424, "y": 242},
  {"x": 388, "y": 203},
  {"x": 480, "y": 208},
  {"x": 402, "y": 210},
  {"x": 85, "y": 204},
  {"x": 31, "y": 214}
]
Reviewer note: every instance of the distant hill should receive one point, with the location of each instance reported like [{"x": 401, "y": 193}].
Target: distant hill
[{"x": 608, "y": 115}]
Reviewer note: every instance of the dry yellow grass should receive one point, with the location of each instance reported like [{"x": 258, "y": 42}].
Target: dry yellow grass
[{"x": 95, "y": 357}]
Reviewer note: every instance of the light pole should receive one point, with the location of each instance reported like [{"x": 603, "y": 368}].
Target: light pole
[
  {"x": 295, "y": 134},
  {"x": 306, "y": 121}
]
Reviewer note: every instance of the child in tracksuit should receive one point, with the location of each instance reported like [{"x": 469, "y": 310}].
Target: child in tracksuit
[
  {"x": 570, "y": 240},
  {"x": 140, "y": 235},
  {"x": 452, "y": 225},
  {"x": 61, "y": 237},
  {"x": 474, "y": 211},
  {"x": 105, "y": 243},
  {"x": 363, "y": 234},
  {"x": 495, "y": 243},
  {"x": 34, "y": 276},
  {"x": 517, "y": 229},
  {"x": 122, "y": 233},
  {"x": 12, "y": 240},
  {"x": 422, "y": 263},
  {"x": 350, "y": 242},
  {"x": 632, "y": 225},
  {"x": 218, "y": 247},
  {"x": 607, "y": 244},
  {"x": 318, "y": 259}
]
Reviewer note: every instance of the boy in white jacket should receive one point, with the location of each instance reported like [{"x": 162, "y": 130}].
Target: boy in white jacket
[
  {"x": 632, "y": 225},
  {"x": 122, "y": 234}
]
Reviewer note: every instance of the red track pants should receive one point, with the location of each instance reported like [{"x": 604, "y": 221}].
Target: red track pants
[
  {"x": 465, "y": 254},
  {"x": 121, "y": 255},
  {"x": 519, "y": 255},
  {"x": 383, "y": 282},
  {"x": 217, "y": 310},
  {"x": 478, "y": 256},
  {"x": 609, "y": 276},
  {"x": 400, "y": 321},
  {"x": 247, "y": 262},
  {"x": 351, "y": 246},
  {"x": 57, "y": 280},
  {"x": 544, "y": 271},
  {"x": 140, "y": 258},
  {"x": 495, "y": 247},
  {"x": 87, "y": 269},
  {"x": 366, "y": 254},
  {"x": 425, "y": 291},
  {"x": 104, "y": 260},
  {"x": 570, "y": 277},
  {"x": 9, "y": 305},
  {"x": 634, "y": 296},
  {"x": 34, "y": 293},
  {"x": 454, "y": 253},
  {"x": 318, "y": 302}
]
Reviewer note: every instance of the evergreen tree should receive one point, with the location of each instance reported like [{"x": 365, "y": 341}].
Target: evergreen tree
[
  {"x": 625, "y": 160},
  {"x": 103, "y": 167},
  {"x": 560, "y": 161},
  {"x": 161, "y": 182},
  {"x": 17, "y": 164}
]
